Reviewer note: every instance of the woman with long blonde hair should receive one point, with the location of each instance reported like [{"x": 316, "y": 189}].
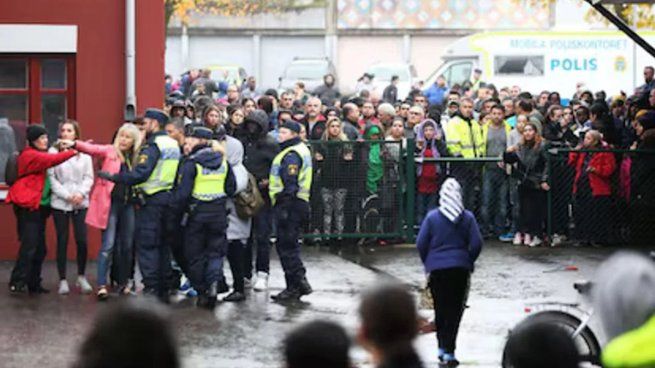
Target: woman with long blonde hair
[
  {"x": 334, "y": 156},
  {"x": 111, "y": 205}
]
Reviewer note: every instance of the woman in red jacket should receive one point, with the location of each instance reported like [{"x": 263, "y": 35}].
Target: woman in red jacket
[
  {"x": 592, "y": 189},
  {"x": 30, "y": 195}
]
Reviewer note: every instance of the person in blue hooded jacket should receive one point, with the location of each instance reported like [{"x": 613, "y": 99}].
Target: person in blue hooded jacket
[{"x": 449, "y": 243}]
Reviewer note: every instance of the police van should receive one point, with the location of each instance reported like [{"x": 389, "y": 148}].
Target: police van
[{"x": 548, "y": 60}]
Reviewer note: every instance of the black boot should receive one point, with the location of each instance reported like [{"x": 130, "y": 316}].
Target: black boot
[
  {"x": 303, "y": 286},
  {"x": 235, "y": 296},
  {"x": 222, "y": 287},
  {"x": 288, "y": 294},
  {"x": 212, "y": 292},
  {"x": 38, "y": 289}
]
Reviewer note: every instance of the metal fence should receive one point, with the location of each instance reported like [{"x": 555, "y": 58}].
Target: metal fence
[
  {"x": 369, "y": 189},
  {"x": 358, "y": 190}
]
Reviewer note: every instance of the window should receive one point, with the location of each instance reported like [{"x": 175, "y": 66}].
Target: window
[
  {"x": 306, "y": 70},
  {"x": 458, "y": 73},
  {"x": 33, "y": 89},
  {"x": 532, "y": 66}
]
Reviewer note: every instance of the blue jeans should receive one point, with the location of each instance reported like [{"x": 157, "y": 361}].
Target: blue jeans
[
  {"x": 424, "y": 203},
  {"x": 494, "y": 201},
  {"x": 118, "y": 235}
]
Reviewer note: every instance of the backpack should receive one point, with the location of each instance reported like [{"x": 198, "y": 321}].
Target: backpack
[
  {"x": 249, "y": 201},
  {"x": 11, "y": 168}
]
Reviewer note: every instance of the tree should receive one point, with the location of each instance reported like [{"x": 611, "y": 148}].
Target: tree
[
  {"x": 644, "y": 16},
  {"x": 183, "y": 9}
]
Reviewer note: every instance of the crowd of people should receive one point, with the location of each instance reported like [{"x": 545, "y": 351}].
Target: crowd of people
[
  {"x": 505, "y": 134},
  {"x": 357, "y": 142}
]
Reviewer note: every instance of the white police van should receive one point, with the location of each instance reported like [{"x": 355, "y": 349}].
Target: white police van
[{"x": 548, "y": 60}]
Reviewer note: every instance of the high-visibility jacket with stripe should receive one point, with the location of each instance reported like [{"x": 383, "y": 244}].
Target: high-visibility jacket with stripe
[
  {"x": 209, "y": 184},
  {"x": 163, "y": 176},
  {"x": 464, "y": 139},
  {"x": 276, "y": 186}
]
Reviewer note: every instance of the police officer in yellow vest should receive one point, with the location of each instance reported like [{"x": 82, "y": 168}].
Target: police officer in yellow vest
[
  {"x": 153, "y": 176},
  {"x": 205, "y": 182},
  {"x": 289, "y": 187}
]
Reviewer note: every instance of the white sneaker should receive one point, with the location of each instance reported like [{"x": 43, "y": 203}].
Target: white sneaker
[
  {"x": 63, "y": 287},
  {"x": 535, "y": 242},
  {"x": 527, "y": 239},
  {"x": 557, "y": 240},
  {"x": 518, "y": 239},
  {"x": 84, "y": 285},
  {"x": 262, "y": 282}
]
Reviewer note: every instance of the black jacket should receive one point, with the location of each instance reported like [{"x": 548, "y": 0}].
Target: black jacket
[{"x": 260, "y": 148}]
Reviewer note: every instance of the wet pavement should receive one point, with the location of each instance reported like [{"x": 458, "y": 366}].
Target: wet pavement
[{"x": 46, "y": 330}]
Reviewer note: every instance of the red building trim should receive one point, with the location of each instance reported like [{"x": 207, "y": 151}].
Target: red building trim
[{"x": 97, "y": 71}]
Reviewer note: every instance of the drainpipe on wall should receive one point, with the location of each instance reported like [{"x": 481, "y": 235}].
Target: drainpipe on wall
[{"x": 130, "y": 60}]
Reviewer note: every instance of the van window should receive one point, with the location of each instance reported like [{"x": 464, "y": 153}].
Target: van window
[
  {"x": 458, "y": 73},
  {"x": 532, "y": 65}
]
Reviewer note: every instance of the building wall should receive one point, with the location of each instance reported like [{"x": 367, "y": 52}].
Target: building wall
[
  {"x": 100, "y": 72},
  {"x": 355, "y": 53}
]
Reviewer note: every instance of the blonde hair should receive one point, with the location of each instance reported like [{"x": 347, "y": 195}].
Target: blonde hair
[
  {"x": 133, "y": 132},
  {"x": 326, "y": 134},
  {"x": 596, "y": 135}
]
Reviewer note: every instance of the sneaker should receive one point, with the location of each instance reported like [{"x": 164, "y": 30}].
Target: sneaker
[
  {"x": 63, "y": 287},
  {"x": 235, "y": 296},
  {"x": 527, "y": 239},
  {"x": 556, "y": 240},
  {"x": 440, "y": 354},
  {"x": 518, "y": 239},
  {"x": 506, "y": 238},
  {"x": 535, "y": 242},
  {"x": 84, "y": 285},
  {"x": 102, "y": 294},
  {"x": 247, "y": 283},
  {"x": 187, "y": 290},
  {"x": 449, "y": 360},
  {"x": 17, "y": 288},
  {"x": 262, "y": 282}
]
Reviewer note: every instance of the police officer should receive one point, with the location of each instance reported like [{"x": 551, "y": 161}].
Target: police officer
[
  {"x": 153, "y": 177},
  {"x": 289, "y": 187},
  {"x": 204, "y": 185}
]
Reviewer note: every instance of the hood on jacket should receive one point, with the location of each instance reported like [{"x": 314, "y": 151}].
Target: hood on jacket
[
  {"x": 371, "y": 130},
  {"x": 206, "y": 157},
  {"x": 261, "y": 118},
  {"x": 421, "y": 126},
  {"x": 624, "y": 292},
  {"x": 233, "y": 151}
]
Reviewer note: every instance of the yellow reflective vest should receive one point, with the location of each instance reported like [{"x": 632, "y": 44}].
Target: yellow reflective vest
[
  {"x": 634, "y": 349},
  {"x": 276, "y": 186},
  {"x": 163, "y": 176},
  {"x": 209, "y": 184},
  {"x": 464, "y": 139}
]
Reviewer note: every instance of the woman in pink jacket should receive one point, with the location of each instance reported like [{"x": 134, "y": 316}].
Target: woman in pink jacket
[{"x": 111, "y": 206}]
